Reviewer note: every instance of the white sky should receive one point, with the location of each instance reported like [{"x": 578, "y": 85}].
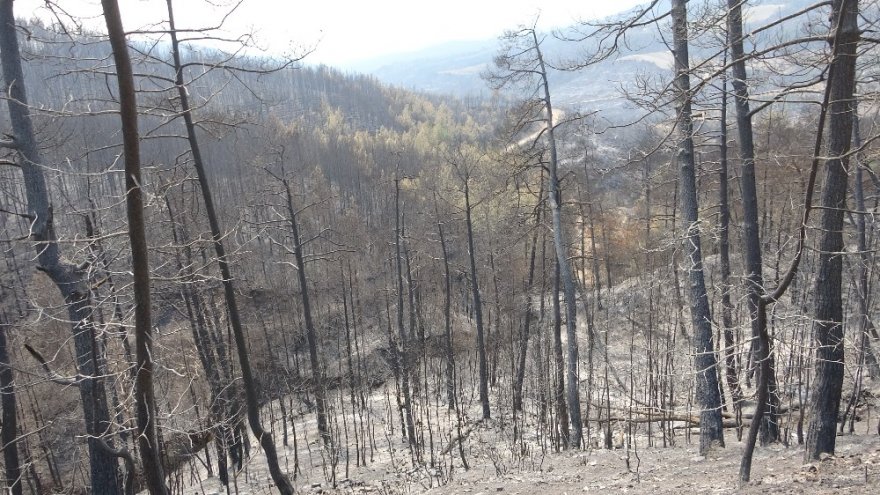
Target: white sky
[{"x": 347, "y": 31}]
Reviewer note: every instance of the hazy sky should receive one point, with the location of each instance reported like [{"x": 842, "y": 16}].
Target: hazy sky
[{"x": 346, "y": 30}]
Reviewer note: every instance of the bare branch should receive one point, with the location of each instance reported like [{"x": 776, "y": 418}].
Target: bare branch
[{"x": 54, "y": 377}]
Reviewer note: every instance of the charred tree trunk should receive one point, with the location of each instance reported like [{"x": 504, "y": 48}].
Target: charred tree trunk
[
  {"x": 567, "y": 277},
  {"x": 731, "y": 372},
  {"x": 447, "y": 318},
  {"x": 9, "y": 431},
  {"x": 559, "y": 368},
  {"x": 761, "y": 349},
  {"x": 148, "y": 440},
  {"x": 404, "y": 357},
  {"x": 250, "y": 389},
  {"x": 71, "y": 281},
  {"x": 478, "y": 307},
  {"x": 311, "y": 334},
  {"x": 527, "y": 318},
  {"x": 707, "y": 394},
  {"x": 865, "y": 326},
  {"x": 215, "y": 367},
  {"x": 828, "y": 326}
]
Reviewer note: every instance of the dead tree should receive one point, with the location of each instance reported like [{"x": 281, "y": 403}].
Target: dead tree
[
  {"x": 521, "y": 63},
  {"x": 828, "y": 325},
  {"x": 9, "y": 432},
  {"x": 145, "y": 399},
  {"x": 251, "y": 399},
  {"x": 751, "y": 232},
  {"x": 707, "y": 394},
  {"x": 318, "y": 377},
  {"x": 70, "y": 278},
  {"x": 405, "y": 347},
  {"x": 463, "y": 170}
]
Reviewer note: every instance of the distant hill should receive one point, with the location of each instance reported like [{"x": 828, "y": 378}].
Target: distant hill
[
  {"x": 455, "y": 67},
  {"x": 452, "y": 68}
]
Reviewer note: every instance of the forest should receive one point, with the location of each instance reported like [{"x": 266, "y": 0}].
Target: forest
[{"x": 237, "y": 273}]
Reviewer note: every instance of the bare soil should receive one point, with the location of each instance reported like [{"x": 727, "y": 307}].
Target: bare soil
[
  {"x": 495, "y": 467},
  {"x": 681, "y": 470}
]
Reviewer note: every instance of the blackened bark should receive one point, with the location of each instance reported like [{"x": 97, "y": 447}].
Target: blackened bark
[
  {"x": 311, "y": 334},
  {"x": 525, "y": 334},
  {"x": 706, "y": 394},
  {"x": 70, "y": 280},
  {"x": 788, "y": 278},
  {"x": 250, "y": 389},
  {"x": 566, "y": 274},
  {"x": 353, "y": 381},
  {"x": 731, "y": 372},
  {"x": 559, "y": 368},
  {"x": 207, "y": 352},
  {"x": 145, "y": 399},
  {"x": 869, "y": 359},
  {"x": 478, "y": 306},
  {"x": 9, "y": 431},
  {"x": 404, "y": 361},
  {"x": 762, "y": 346},
  {"x": 447, "y": 319},
  {"x": 828, "y": 326}
]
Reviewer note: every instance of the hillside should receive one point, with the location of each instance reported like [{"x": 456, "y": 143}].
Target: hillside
[
  {"x": 644, "y": 449},
  {"x": 583, "y": 280},
  {"x": 456, "y": 68}
]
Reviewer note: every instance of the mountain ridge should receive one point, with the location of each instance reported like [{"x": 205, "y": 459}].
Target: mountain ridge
[{"x": 455, "y": 67}]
